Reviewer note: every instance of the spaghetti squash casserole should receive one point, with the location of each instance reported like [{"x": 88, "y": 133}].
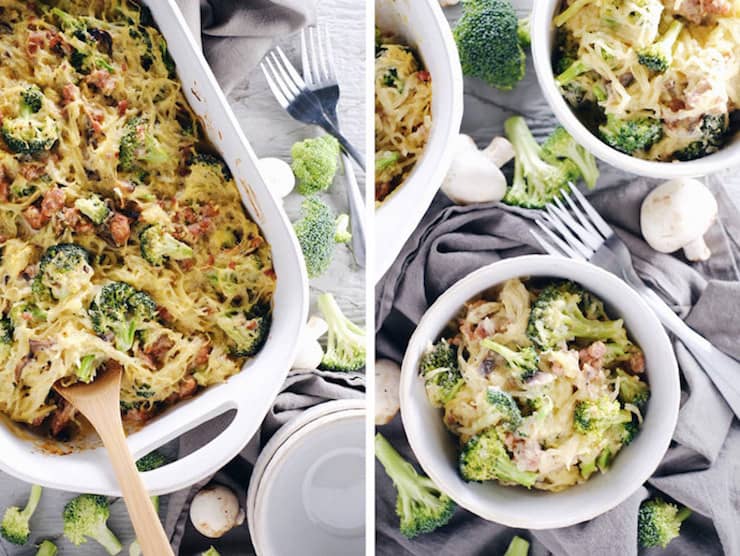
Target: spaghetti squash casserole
[
  {"x": 124, "y": 241},
  {"x": 540, "y": 386}
]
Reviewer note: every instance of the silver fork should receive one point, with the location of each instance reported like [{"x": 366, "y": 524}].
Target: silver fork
[
  {"x": 577, "y": 231},
  {"x": 291, "y": 92},
  {"x": 317, "y": 60}
]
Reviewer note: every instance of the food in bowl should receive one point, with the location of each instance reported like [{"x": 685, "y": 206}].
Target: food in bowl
[
  {"x": 655, "y": 79},
  {"x": 540, "y": 386},
  {"x": 403, "y": 112},
  {"x": 124, "y": 240}
]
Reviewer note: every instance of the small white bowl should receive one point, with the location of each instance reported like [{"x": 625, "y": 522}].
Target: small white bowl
[
  {"x": 310, "y": 479},
  {"x": 436, "y": 448},
  {"x": 422, "y": 23},
  {"x": 543, "y": 43}
]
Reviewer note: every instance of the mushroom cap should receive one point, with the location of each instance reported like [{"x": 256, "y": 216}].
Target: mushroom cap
[
  {"x": 473, "y": 177},
  {"x": 215, "y": 510},
  {"x": 278, "y": 176},
  {"x": 387, "y": 401},
  {"x": 676, "y": 214}
]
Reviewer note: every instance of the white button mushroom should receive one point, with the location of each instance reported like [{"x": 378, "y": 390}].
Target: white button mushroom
[
  {"x": 387, "y": 402},
  {"x": 676, "y": 215},
  {"x": 474, "y": 175},
  {"x": 278, "y": 176},
  {"x": 310, "y": 353},
  {"x": 215, "y": 510}
]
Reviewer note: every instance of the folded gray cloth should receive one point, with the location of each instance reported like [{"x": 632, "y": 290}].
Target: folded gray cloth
[
  {"x": 235, "y": 34},
  {"x": 700, "y": 469}
]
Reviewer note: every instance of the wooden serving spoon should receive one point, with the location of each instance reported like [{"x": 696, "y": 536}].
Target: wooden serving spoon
[{"x": 99, "y": 403}]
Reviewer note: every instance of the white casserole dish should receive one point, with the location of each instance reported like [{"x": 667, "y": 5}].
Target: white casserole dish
[
  {"x": 251, "y": 392},
  {"x": 423, "y": 25},
  {"x": 543, "y": 41},
  {"x": 518, "y": 507}
]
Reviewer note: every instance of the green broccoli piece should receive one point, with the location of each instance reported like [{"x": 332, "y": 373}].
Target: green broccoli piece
[
  {"x": 420, "y": 506},
  {"x": 87, "y": 368},
  {"x": 597, "y": 416},
  {"x": 6, "y": 332},
  {"x": 567, "y": 14},
  {"x": 341, "y": 231},
  {"x": 385, "y": 160},
  {"x": 576, "y": 69},
  {"x": 208, "y": 168},
  {"x": 315, "y": 232},
  {"x": 391, "y": 79},
  {"x": 151, "y": 461},
  {"x": 94, "y": 208},
  {"x": 560, "y": 144},
  {"x": 158, "y": 246},
  {"x": 629, "y": 432},
  {"x": 484, "y": 458},
  {"x": 632, "y": 389},
  {"x": 524, "y": 361},
  {"x": 524, "y": 31},
  {"x": 489, "y": 40},
  {"x": 139, "y": 147},
  {"x": 517, "y": 547},
  {"x": 15, "y": 526},
  {"x": 503, "y": 403},
  {"x": 659, "y": 56},
  {"x": 630, "y": 136},
  {"x": 315, "y": 163},
  {"x": 442, "y": 376},
  {"x": 120, "y": 311},
  {"x": 248, "y": 333},
  {"x": 566, "y": 52},
  {"x": 85, "y": 516},
  {"x": 536, "y": 181},
  {"x": 556, "y": 318},
  {"x": 47, "y": 548},
  {"x": 659, "y": 522},
  {"x": 73, "y": 26},
  {"x": 713, "y": 133},
  {"x": 30, "y": 133},
  {"x": 26, "y": 312},
  {"x": 63, "y": 270},
  {"x": 540, "y": 406},
  {"x": 345, "y": 344},
  {"x": 587, "y": 468}
]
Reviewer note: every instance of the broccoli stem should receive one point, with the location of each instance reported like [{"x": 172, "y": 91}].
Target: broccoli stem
[
  {"x": 107, "y": 539},
  {"x": 683, "y": 514},
  {"x": 528, "y": 151},
  {"x": 570, "y": 12},
  {"x": 517, "y": 547},
  {"x": 408, "y": 482},
  {"x": 33, "y": 501},
  {"x": 573, "y": 71}
]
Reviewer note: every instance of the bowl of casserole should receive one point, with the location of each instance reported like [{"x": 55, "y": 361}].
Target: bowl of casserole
[{"x": 545, "y": 504}]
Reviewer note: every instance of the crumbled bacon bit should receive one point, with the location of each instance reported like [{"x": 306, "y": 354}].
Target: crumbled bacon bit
[
  {"x": 34, "y": 217},
  {"x": 52, "y": 202},
  {"x": 122, "y": 107},
  {"x": 120, "y": 229}
]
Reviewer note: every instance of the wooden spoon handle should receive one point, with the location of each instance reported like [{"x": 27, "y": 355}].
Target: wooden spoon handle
[{"x": 149, "y": 531}]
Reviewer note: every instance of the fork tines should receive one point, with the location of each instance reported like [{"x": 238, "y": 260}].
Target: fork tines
[
  {"x": 317, "y": 56},
  {"x": 575, "y": 231},
  {"x": 282, "y": 78}
]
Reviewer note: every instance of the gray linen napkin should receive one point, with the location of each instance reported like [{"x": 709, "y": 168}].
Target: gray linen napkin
[
  {"x": 701, "y": 467},
  {"x": 235, "y": 34}
]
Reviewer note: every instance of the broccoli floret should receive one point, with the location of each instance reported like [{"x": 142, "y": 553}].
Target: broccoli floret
[
  {"x": 85, "y": 517},
  {"x": 566, "y": 52},
  {"x": 421, "y": 507},
  {"x": 315, "y": 163},
  {"x": 94, "y": 208},
  {"x": 73, "y": 26},
  {"x": 597, "y": 416},
  {"x": 484, "y": 458},
  {"x": 524, "y": 361},
  {"x": 341, "y": 230},
  {"x": 489, "y": 43},
  {"x": 26, "y": 312},
  {"x": 391, "y": 79},
  {"x": 560, "y": 144},
  {"x": 139, "y": 147},
  {"x": 6, "y": 331},
  {"x": 63, "y": 271},
  {"x": 345, "y": 344},
  {"x": 15, "y": 526},
  {"x": 630, "y": 136},
  {"x": 632, "y": 389},
  {"x": 30, "y": 133},
  {"x": 247, "y": 333},
  {"x": 556, "y": 318},
  {"x": 208, "y": 168},
  {"x": 151, "y": 461},
  {"x": 517, "y": 547},
  {"x": 536, "y": 181},
  {"x": 442, "y": 377},
  {"x": 713, "y": 132},
  {"x": 47, "y": 548},
  {"x": 315, "y": 232},
  {"x": 386, "y": 159},
  {"x": 524, "y": 31},
  {"x": 659, "y": 56},
  {"x": 571, "y": 72},
  {"x": 629, "y": 432},
  {"x": 158, "y": 246},
  {"x": 169, "y": 63},
  {"x": 120, "y": 310},
  {"x": 659, "y": 522},
  {"x": 503, "y": 403},
  {"x": 87, "y": 368},
  {"x": 540, "y": 406}
]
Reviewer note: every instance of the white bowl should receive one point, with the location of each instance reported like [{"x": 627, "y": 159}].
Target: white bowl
[
  {"x": 543, "y": 42},
  {"x": 423, "y": 25},
  {"x": 312, "y": 475},
  {"x": 436, "y": 448}
]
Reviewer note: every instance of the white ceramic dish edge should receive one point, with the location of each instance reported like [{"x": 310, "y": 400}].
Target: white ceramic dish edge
[
  {"x": 543, "y": 33},
  {"x": 252, "y": 391},
  {"x": 516, "y": 507},
  {"x": 423, "y": 23}
]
